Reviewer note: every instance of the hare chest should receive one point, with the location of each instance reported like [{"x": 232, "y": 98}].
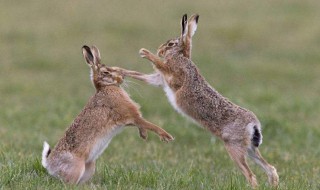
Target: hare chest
[
  {"x": 102, "y": 143},
  {"x": 173, "y": 101},
  {"x": 171, "y": 97}
]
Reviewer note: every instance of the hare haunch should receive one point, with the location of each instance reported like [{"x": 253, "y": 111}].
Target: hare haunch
[
  {"x": 192, "y": 96},
  {"x": 107, "y": 112}
]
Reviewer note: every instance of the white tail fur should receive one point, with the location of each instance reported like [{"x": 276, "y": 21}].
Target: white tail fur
[{"x": 46, "y": 149}]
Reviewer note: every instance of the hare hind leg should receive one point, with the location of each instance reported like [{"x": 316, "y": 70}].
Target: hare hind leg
[
  {"x": 72, "y": 171},
  {"x": 90, "y": 168},
  {"x": 271, "y": 171},
  {"x": 238, "y": 154}
]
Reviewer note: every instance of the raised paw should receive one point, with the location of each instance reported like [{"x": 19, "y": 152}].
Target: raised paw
[
  {"x": 117, "y": 69},
  {"x": 166, "y": 137},
  {"x": 144, "y": 53},
  {"x": 143, "y": 133}
]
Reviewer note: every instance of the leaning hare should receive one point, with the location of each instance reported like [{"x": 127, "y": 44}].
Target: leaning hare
[
  {"x": 192, "y": 96},
  {"x": 108, "y": 111}
]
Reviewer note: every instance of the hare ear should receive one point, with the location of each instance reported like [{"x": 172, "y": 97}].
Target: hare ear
[
  {"x": 96, "y": 55},
  {"x": 192, "y": 24},
  {"x": 184, "y": 25},
  {"x": 87, "y": 54}
]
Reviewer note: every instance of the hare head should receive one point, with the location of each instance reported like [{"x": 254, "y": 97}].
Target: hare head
[
  {"x": 177, "y": 45},
  {"x": 101, "y": 75}
]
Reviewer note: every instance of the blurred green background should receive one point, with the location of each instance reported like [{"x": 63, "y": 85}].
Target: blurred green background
[{"x": 262, "y": 55}]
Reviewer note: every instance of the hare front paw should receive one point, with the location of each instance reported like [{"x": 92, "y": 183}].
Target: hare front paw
[
  {"x": 143, "y": 133},
  {"x": 166, "y": 137},
  {"x": 144, "y": 53},
  {"x": 118, "y": 69}
]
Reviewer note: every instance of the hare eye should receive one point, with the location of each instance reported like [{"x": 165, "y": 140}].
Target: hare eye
[
  {"x": 106, "y": 73},
  {"x": 170, "y": 44}
]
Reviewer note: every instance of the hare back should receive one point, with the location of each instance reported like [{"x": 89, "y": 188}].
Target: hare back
[
  {"x": 211, "y": 109},
  {"x": 198, "y": 100}
]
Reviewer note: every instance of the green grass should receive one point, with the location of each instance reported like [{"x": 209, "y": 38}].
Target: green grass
[{"x": 263, "y": 55}]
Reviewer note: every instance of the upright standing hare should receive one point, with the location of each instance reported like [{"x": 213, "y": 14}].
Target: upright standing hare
[
  {"x": 192, "y": 96},
  {"x": 106, "y": 113}
]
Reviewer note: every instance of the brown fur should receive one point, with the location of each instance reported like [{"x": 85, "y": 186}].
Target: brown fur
[
  {"x": 192, "y": 96},
  {"x": 107, "y": 111}
]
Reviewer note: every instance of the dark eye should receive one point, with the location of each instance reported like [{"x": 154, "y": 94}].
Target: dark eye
[
  {"x": 106, "y": 73},
  {"x": 170, "y": 44}
]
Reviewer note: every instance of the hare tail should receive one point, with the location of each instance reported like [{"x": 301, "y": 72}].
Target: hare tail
[
  {"x": 256, "y": 136},
  {"x": 45, "y": 153}
]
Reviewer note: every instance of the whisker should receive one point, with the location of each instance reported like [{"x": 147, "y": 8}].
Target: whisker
[
  {"x": 129, "y": 87},
  {"x": 129, "y": 81}
]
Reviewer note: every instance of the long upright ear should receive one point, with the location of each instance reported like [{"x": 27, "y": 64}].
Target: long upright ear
[
  {"x": 88, "y": 56},
  {"x": 192, "y": 27},
  {"x": 184, "y": 25},
  {"x": 192, "y": 24},
  {"x": 96, "y": 55}
]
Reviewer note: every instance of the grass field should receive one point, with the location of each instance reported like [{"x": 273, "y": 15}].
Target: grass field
[{"x": 262, "y": 55}]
